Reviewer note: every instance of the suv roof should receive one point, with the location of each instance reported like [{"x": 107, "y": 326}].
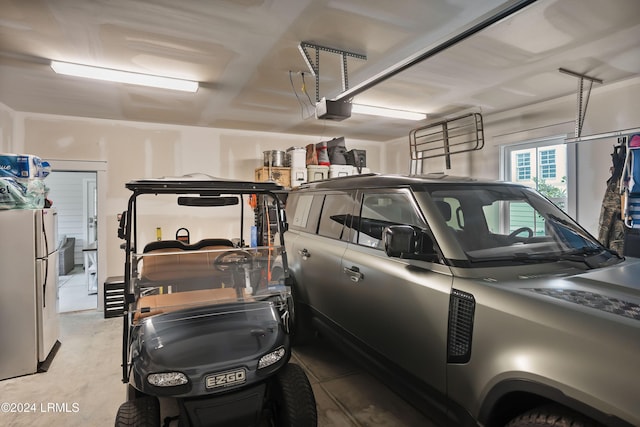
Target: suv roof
[{"x": 383, "y": 180}]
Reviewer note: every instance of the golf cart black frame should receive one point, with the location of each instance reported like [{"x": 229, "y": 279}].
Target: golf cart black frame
[{"x": 204, "y": 186}]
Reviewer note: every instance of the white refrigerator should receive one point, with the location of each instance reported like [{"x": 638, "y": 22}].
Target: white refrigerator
[{"x": 29, "y": 324}]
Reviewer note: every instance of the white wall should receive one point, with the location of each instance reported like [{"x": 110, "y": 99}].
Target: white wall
[
  {"x": 135, "y": 150},
  {"x": 6, "y": 128}
]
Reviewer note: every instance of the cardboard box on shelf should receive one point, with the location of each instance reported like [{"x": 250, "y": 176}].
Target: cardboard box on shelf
[{"x": 281, "y": 176}]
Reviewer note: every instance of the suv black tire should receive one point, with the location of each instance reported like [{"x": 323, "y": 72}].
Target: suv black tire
[
  {"x": 295, "y": 405},
  {"x": 140, "y": 412},
  {"x": 550, "y": 416}
]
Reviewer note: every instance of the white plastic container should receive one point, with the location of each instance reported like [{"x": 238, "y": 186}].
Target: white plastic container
[
  {"x": 298, "y": 176},
  {"x": 317, "y": 173},
  {"x": 362, "y": 171},
  {"x": 297, "y": 157},
  {"x": 336, "y": 171}
]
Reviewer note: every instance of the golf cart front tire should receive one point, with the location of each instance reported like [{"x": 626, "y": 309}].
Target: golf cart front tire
[
  {"x": 295, "y": 405},
  {"x": 139, "y": 412}
]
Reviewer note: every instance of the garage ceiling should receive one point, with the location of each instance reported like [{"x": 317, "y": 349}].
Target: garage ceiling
[{"x": 242, "y": 52}]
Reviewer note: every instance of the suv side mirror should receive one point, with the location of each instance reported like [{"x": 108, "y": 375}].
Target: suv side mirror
[{"x": 405, "y": 241}]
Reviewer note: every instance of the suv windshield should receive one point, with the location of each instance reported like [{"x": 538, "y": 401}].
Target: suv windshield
[{"x": 512, "y": 224}]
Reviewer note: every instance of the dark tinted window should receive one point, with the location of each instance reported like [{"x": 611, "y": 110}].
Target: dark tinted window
[
  {"x": 335, "y": 218},
  {"x": 380, "y": 210}
]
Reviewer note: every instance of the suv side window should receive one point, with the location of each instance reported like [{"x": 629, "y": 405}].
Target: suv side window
[
  {"x": 335, "y": 219},
  {"x": 380, "y": 210},
  {"x": 303, "y": 211},
  {"x": 301, "y": 207}
]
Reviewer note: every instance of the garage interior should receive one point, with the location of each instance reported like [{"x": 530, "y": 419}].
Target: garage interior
[{"x": 562, "y": 72}]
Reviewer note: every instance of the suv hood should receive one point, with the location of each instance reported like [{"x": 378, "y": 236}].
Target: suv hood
[{"x": 614, "y": 289}]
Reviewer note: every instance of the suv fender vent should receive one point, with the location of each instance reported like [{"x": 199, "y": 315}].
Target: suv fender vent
[{"x": 461, "y": 312}]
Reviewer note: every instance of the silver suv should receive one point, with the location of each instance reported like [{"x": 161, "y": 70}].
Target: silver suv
[{"x": 482, "y": 302}]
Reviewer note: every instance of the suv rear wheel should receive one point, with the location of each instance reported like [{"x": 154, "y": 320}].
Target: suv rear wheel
[{"x": 551, "y": 416}]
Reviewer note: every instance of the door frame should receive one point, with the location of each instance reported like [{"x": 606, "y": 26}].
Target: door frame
[
  {"x": 89, "y": 189},
  {"x": 100, "y": 168}
]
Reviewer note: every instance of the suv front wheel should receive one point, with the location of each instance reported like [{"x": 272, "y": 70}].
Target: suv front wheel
[{"x": 551, "y": 416}]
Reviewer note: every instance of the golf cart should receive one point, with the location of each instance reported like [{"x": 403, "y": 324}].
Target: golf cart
[{"x": 206, "y": 337}]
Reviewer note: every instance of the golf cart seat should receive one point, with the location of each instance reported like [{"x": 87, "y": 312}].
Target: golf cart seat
[{"x": 179, "y": 245}]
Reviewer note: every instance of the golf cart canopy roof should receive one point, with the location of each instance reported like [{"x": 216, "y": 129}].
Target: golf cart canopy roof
[{"x": 201, "y": 184}]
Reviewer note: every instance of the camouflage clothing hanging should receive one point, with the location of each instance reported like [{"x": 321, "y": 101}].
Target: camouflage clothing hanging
[{"x": 612, "y": 230}]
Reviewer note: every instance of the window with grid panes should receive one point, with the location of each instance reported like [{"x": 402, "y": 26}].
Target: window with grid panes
[
  {"x": 547, "y": 164},
  {"x": 523, "y": 166}
]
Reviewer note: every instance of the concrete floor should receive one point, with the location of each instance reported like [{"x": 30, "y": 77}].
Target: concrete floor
[
  {"x": 83, "y": 387},
  {"x": 73, "y": 293}
]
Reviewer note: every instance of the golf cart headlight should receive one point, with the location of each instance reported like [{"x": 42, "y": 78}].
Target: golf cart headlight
[
  {"x": 271, "y": 358},
  {"x": 167, "y": 379}
]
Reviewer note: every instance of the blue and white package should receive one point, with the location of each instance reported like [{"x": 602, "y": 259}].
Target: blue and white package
[
  {"x": 21, "y": 166},
  {"x": 46, "y": 169}
]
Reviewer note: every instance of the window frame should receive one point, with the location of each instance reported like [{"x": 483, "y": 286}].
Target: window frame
[
  {"x": 353, "y": 202},
  {"x": 406, "y": 192},
  {"x": 540, "y": 143}
]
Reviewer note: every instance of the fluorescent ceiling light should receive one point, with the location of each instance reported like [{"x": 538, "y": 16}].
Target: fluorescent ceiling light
[
  {"x": 387, "y": 112},
  {"x": 118, "y": 76}
]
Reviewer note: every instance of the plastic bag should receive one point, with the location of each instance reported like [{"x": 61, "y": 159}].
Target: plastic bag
[
  {"x": 22, "y": 194},
  {"x": 337, "y": 149},
  {"x": 323, "y": 155}
]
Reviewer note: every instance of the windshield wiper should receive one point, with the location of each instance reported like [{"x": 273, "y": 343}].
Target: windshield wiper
[{"x": 591, "y": 256}]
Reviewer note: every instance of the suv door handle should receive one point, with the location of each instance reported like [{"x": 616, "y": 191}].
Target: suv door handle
[
  {"x": 353, "y": 273},
  {"x": 304, "y": 253}
]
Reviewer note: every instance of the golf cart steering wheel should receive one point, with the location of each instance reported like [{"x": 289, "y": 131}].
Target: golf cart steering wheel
[
  {"x": 514, "y": 233},
  {"x": 232, "y": 260}
]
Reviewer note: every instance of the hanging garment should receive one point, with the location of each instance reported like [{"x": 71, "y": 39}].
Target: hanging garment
[
  {"x": 611, "y": 226},
  {"x": 630, "y": 183},
  {"x": 612, "y": 229}
]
